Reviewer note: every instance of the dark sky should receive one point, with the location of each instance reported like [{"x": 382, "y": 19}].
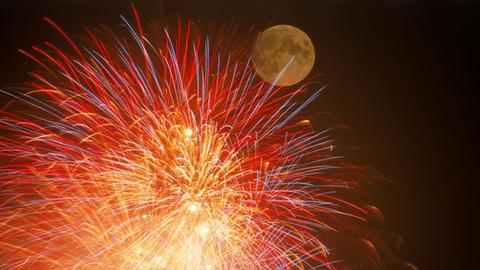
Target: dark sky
[{"x": 401, "y": 74}]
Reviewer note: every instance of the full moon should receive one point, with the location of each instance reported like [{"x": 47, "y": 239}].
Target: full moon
[{"x": 283, "y": 47}]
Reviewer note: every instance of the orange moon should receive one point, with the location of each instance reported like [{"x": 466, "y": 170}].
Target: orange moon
[{"x": 283, "y": 47}]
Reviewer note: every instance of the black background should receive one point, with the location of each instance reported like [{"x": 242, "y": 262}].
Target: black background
[{"x": 401, "y": 74}]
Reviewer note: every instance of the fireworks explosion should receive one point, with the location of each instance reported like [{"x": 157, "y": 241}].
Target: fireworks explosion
[{"x": 165, "y": 153}]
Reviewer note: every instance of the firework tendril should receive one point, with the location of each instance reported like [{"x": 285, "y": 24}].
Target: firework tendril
[{"x": 164, "y": 153}]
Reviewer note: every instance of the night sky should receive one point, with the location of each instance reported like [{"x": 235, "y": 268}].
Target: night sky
[{"x": 401, "y": 76}]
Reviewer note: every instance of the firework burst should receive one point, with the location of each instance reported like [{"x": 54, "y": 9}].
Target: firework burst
[{"x": 140, "y": 153}]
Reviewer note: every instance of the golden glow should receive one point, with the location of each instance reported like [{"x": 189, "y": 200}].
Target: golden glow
[
  {"x": 305, "y": 122},
  {"x": 203, "y": 229},
  {"x": 188, "y": 132},
  {"x": 193, "y": 207}
]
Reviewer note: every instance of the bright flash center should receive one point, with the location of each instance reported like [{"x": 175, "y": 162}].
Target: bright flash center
[
  {"x": 188, "y": 132},
  {"x": 193, "y": 207},
  {"x": 203, "y": 229}
]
